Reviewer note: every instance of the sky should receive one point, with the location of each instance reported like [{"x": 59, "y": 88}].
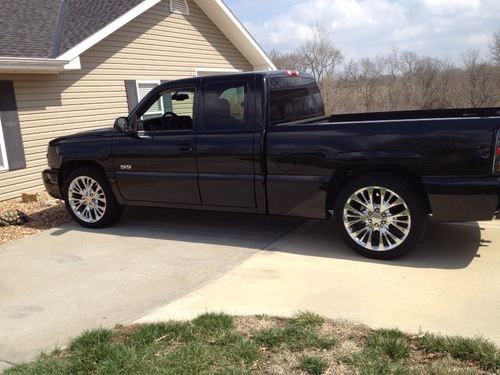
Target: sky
[{"x": 367, "y": 28}]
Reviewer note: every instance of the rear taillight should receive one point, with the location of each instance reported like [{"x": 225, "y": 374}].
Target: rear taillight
[
  {"x": 293, "y": 73},
  {"x": 496, "y": 165}
]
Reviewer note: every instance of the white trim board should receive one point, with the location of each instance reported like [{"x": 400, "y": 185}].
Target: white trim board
[
  {"x": 214, "y": 71},
  {"x": 31, "y": 65},
  {"x": 5, "y": 161},
  {"x": 108, "y": 30}
]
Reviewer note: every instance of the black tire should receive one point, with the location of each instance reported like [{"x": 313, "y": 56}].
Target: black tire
[
  {"x": 417, "y": 218},
  {"x": 112, "y": 209}
]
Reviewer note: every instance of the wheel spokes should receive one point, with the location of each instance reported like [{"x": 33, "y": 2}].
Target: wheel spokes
[
  {"x": 377, "y": 218},
  {"x": 87, "y": 199}
]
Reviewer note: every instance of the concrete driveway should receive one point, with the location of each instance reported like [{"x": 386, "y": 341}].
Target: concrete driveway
[
  {"x": 159, "y": 264},
  {"x": 56, "y": 284},
  {"x": 450, "y": 284}
]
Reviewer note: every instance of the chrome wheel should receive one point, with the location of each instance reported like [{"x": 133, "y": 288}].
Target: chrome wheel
[
  {"x": 87, "y": 199},
  {"x": 376, "y": 218}
]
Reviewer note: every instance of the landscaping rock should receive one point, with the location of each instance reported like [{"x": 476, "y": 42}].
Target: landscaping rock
[{"x": 29, "y": 198}]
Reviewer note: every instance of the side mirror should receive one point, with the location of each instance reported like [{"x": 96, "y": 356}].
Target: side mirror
[{"x": 122, "y": 125}]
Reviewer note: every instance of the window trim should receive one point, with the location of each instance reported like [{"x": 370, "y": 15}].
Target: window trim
[
  {"x": 150, "y": 81},
  {"x": 216, "y": 71},
  {"x": 5, "y": 161}
]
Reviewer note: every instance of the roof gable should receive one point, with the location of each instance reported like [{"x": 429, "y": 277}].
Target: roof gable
[
  {"x": 64, "y": 29},
  {"x": 48, "y": 28}
]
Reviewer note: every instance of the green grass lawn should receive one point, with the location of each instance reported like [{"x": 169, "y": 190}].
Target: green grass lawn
[{"x": 221, "y": 344}]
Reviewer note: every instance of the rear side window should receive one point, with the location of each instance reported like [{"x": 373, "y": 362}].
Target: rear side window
[
  {"x": 225, "y": 106},
  {"x": 293, "y": 99}
]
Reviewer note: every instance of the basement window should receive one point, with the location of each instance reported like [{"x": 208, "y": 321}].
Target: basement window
[{"x": 179, "y": 6}]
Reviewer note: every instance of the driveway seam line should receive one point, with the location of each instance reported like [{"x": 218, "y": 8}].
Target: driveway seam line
[
  {"x": 8, "y": 362},
  {"x": 219, "y": 274},
  {"x": 292, "y": 230}
]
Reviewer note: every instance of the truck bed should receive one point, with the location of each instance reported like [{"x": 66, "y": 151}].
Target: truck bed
[
  {"x": 401, "y": 115},
  {"x": 416, "y": 115}
]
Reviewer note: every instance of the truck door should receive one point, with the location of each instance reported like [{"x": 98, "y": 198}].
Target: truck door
[
  {"x": 159, "y": 166},
  {"x": 225, "y": 143}
]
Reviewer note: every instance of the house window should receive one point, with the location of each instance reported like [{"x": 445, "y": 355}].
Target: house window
[
  {"x": 179, "y": 6},
  {"x": 12, "y": 157},
  {"x": 143, "y": 88},
  {"x": 3, "y": 152}
]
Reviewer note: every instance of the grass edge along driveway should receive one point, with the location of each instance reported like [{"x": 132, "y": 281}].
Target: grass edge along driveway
[{"x": 218, "y": 343}]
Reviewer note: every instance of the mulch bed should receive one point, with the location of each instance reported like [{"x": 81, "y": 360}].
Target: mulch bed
[{"x": 49, "y": 214}]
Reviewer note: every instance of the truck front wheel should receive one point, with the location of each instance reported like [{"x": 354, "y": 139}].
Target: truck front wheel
[
  {"x": 89, "y": 198},
  {"x": 380, "y": 217}
]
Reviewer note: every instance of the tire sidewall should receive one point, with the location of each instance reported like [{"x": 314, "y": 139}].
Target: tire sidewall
[
  {"x": 404, "y": 190},
  {"x": 113, "y": 209}
]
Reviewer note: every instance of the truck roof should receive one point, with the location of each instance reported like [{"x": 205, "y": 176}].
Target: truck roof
[
  {"x": 280, "y": 73},
  {"x": 261, "y": 73}
]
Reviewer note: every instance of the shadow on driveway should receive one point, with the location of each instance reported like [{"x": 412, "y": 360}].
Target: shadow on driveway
[
  {"x": 445, "y": 246},
  {"x": 70, "y": 279}
]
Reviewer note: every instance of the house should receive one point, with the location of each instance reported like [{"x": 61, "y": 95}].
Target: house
[{"x": 73, "y": 65}]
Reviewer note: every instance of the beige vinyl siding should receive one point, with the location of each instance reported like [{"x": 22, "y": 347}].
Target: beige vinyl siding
[
  {"x": 158, "y": 45},
  {"x": 184, "y": 108}
]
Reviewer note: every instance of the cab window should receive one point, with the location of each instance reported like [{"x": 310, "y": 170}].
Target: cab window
[
  {"x": 294, "y": 99},
  {"x": 225, "y": 106},
  {"x": 171, "y": 110}
]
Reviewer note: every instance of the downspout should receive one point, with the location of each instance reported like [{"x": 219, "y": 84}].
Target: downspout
[{"x": 56, "y": 45}]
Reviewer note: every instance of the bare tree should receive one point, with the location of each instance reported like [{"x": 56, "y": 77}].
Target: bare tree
[
  {"x": 408, "y": 63},
  {"x": 430, "y": 83},
  {"x": 318, "y": 53},
  {"x": 393, "y": 70},
  {"x": 415, "y": 82},
  {"x": 477, "y": 85},
  {"x": 367, "y": 75},
  {"x": 495, "y": 47},
  {"x": 287, "y": 60},
  {"x": 397, "y": 81}
]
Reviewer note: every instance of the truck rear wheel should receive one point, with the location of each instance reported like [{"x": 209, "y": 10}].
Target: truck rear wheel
[
  {"x": 89, "y": 198},
  {"x": 380, "y": 217}
]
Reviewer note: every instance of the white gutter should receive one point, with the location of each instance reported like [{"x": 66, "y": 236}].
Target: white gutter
[{"x": 31, "y": 65}]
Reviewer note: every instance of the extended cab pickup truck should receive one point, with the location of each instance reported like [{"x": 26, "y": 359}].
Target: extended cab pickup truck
[{"x": 260, "y": 143}]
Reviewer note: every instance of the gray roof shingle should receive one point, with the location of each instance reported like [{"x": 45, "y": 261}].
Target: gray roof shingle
[
  {"x": 29, "y": 28},
  {"x": 86, "y": 17}
]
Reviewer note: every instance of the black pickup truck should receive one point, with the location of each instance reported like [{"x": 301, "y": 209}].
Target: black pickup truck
[{"x": 260, "y": 143}]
